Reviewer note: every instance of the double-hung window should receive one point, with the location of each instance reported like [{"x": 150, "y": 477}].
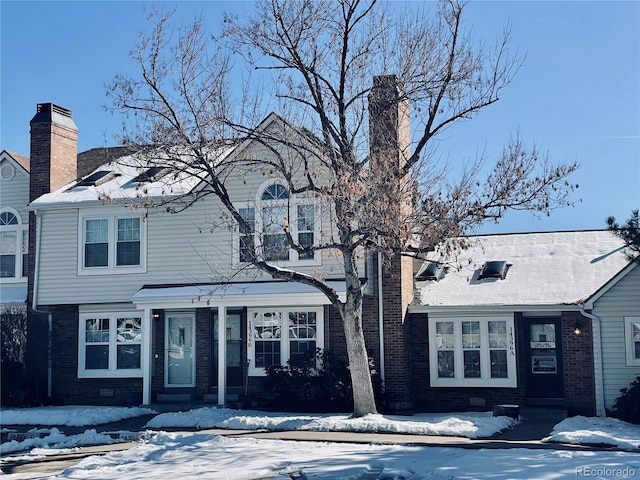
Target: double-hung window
[
  {"x": 14, "y": 237},
  {"x": 472, "y": 352},
  {"x": 281, "y": 335},
  {"x": 632, "y": 340},
  {"x": 268, "y": 221},
  {"x": 110, "y": 345},
  {"x": 111, "y": 243}
]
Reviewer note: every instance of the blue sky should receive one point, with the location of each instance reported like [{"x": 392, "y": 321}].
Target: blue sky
[{"x": 577, "y": 95}]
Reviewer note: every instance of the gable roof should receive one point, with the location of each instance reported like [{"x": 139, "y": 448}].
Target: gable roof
[
  {"x": 19, "y": 160},
  {"x": 125, "y": 171},
  {"x": 545, "y": 269},
  {"x": 611, "y": 283}
]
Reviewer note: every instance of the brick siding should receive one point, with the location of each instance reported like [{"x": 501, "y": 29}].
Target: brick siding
[{"x": 577, "y": 361}]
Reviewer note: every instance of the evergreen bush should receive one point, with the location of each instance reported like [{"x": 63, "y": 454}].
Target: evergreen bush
[{"x": 627, "y": 405}]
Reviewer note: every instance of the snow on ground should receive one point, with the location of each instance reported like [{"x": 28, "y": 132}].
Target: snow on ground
[
  {"x": 187, "y": 455},
  {"x": 589, "y": 430},
  {"x": 71, "y": 416},
  {"x": 172, "y": 455},
  {"x": 470, "y": 425}
]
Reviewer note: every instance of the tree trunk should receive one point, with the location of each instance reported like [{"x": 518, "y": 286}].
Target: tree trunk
[{"x": 351, "y": 312}]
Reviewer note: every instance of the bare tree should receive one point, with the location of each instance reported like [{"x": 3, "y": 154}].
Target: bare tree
[{"x": 317, "y": 58}]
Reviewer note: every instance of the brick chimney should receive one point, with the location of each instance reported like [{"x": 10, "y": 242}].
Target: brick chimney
[
  {"x": 53, "y": 160},
  {"x": 54, "y": 149},
  {"x": 389, "y": 124},
  {"x": 390, "y": 144}
]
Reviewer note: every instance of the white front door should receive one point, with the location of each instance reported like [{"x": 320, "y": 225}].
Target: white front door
[{"x": 179, "y": 359}]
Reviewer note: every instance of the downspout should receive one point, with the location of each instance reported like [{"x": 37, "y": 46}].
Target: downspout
[
  {"x": 34, "y": 302},
  {"x": 381, "y": 316},
  {"x": 599, "y": 375}
]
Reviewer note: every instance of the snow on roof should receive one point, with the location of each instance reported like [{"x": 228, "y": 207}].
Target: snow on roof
[
  {"x": 552, "y": 268},
  {"x": 120, "y": 184},
  {"x": 245, "y": 293}
]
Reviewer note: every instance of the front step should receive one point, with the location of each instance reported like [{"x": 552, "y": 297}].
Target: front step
[
  {"x": 174, "y": 397},
  {"x": 542, "y": 414}
]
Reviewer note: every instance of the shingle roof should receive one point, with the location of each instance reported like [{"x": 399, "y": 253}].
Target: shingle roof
[{"x": 21, "y": 159}]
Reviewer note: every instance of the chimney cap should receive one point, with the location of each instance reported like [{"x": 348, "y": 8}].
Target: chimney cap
[{"x": 52, "y": 113}]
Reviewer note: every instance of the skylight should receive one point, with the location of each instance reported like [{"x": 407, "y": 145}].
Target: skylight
[
  {"x": 96, "y": 178},
  {"x": 430, "y": 271},
  {"x": 494, "y": 269},
  {"x": 151, "y": 175}
]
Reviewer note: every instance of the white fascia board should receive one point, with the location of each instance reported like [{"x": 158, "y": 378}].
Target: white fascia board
[
  {"x": 482, "y": 309},
  {"x": 589, "y": 303},
  {"x": 244, "y": 295}
]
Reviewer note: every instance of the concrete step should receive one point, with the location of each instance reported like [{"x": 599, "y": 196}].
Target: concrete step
[
  {"x": 174, "y": 397},
  {"x": 542, "y": 413}
]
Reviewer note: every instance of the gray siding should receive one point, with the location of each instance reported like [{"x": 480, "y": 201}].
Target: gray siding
[
  {"x": 14, "y": 193},
  {"x": 622, "y": 300},
  {"x": 188, "y": 247}
]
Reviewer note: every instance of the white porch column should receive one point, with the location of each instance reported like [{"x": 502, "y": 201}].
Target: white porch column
[
  {"x": 222, "y": 354},
  {"x": 145, "y": 356}
]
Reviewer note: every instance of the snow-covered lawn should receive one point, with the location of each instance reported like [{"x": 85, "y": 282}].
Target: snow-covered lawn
[{"x": 179, "y": 454}]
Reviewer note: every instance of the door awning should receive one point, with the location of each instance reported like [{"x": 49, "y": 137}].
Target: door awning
[{"x": 249, "y": 294}]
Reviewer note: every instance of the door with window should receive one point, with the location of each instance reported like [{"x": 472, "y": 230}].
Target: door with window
[
  {"x": 543, "y": 349},
  {"x": 179, "y": 350},
  {"x": 233, "y": 355}
]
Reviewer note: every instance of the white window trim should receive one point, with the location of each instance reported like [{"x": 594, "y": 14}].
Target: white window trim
[
  {"x": 485, "y": 379},
  {"x": 111, "y": 269},
  {"x": 292, "y": 203},
  {"x": 112, "y": 371},
  {"x": 285, "y": 353},
  {"x": 629, "y": 342},
  {"x": 19, "y": 228}
]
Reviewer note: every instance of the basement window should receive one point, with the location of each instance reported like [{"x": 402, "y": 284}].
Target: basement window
[
  {"x": 430, "y": 271},
  {"x": 494, "y": 269},
  {"x": 96, "y": 178}
]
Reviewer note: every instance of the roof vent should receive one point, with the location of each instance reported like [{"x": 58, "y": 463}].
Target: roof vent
[
  {"x": 430, "y": 271},
  {"x": 96, "y": 178},
  {"x": 494, "y": 269}
]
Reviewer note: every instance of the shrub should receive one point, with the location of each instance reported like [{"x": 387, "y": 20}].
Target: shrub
[
  {"x": 17, "y": 387},
  {"x": 311, "y": 383},
  {"x": 627, "y": 405}
]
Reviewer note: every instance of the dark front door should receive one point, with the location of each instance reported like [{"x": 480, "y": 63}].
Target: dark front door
[
  {"x": 543, "y": 349},
  {"x": 233, "y": 340}
]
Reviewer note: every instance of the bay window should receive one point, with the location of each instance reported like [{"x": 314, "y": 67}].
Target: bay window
[{"x": 472, "y": 352}]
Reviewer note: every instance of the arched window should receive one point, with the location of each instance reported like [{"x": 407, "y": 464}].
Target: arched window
[
  {"x": 274, "y": 211},
  {"x": 14, "y": 246},
  {"x": 8, "y": 218}
]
